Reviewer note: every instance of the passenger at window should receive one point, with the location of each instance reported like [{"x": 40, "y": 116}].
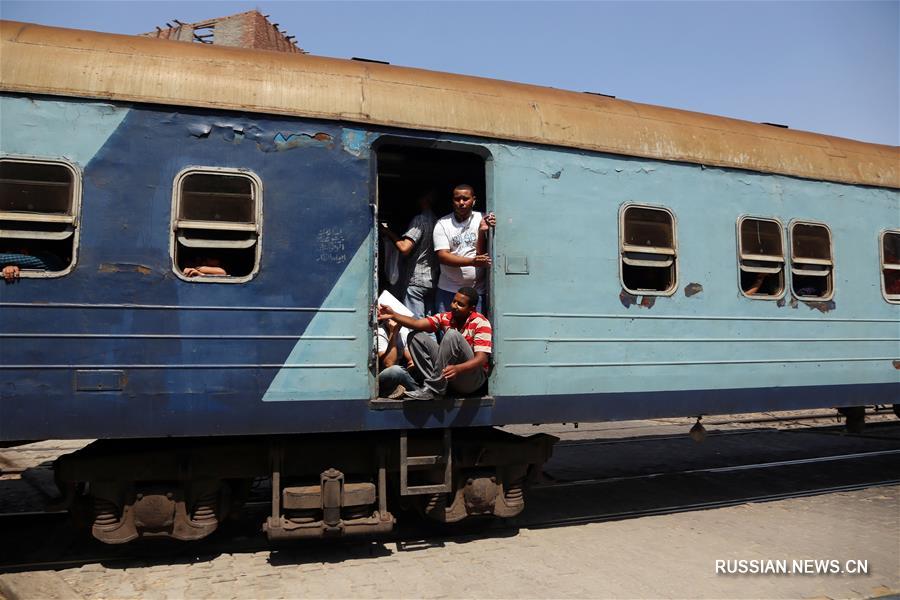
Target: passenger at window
[
  {"x": 417, "y": 246},
  {"x": 393, "y": 379},
  {"x": 460, "y": 361},
  {"x": 24, "y": 258},
  {"x": 758, "y": 284},
  {"x": 460, "y": 241},
  {"x": 205, "y": 266}
]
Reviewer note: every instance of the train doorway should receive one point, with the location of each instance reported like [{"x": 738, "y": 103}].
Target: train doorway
[{"x": 412, "y": 177}]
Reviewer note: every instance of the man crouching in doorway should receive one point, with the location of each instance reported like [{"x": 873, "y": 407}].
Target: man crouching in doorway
[{"x": 460, "y": 361}]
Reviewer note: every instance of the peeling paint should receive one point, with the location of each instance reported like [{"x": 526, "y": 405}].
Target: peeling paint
[
  {"x": 556, "y": 175},
  {"x": 794, "y": 303},
  {"x": 780, "y": 303},
  {"x": 822, "y": 307},
  {"x": 627, "y": 299},
  {"x": 897, "y": 364},
  {"x": 124, "y": 268},
  {"x": 200, "y": 130},
  {"x": 299, "y": 140},
  {"x": 692, "y": 289},
  {"x": 356, "y": 142}
]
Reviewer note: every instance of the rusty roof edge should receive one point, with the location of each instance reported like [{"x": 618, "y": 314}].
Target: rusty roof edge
[{"x": 874, "y": 164}]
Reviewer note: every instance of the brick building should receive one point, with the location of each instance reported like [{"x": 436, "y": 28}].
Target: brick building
[{"x": 249, "y": 29}]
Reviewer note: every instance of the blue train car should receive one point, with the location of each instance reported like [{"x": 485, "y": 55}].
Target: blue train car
[{"x": 647, "y": 262}]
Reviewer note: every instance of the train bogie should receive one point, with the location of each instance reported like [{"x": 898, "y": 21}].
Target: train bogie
[{"x": 320, "y": 486}]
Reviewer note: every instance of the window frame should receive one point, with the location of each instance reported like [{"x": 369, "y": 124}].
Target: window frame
[
  {"x": 830, "y": 295},
  {"x": 674, "y": 251},
  {"x": 891, "y": 299},
  {"x": 74, "y": 218},
  {"x": 784, "y": 260},
  {"x": 256, "y": 187}
]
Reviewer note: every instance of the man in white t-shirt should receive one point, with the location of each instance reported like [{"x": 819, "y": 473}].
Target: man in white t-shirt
[{"x": 460, "y": 242}]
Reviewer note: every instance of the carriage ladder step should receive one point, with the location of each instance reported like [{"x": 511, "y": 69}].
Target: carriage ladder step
[{"x": 408, "y": 463}]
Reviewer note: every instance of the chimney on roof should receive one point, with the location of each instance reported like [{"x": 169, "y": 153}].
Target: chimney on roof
[{"x": 249, "y": 29}]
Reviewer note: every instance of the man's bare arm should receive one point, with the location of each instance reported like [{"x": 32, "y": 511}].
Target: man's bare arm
[
  {"x": 404, "y": 245},
  {"x": 445, "y": 257},
  {"x": 386, "y": 312},
  {"x": 487, "y": 222}
]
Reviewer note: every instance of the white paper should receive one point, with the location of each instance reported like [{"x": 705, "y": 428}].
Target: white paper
[{"x": 388, "y": 299}]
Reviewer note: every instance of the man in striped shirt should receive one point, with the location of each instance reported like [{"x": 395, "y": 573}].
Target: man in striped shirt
[{"x": 460, "y": 361}]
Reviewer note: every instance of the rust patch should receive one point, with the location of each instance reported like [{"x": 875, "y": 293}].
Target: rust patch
[
  {"x": 627, "y": 299},
  {"x": 648, "y": 301},
  {"x": 822, "y": 307},
  {"x": 692, "y": 289},
  {"x": 897, "y": 364},
  {"x": 124, "y": 268},
  {"x": 780, "y": 302}
]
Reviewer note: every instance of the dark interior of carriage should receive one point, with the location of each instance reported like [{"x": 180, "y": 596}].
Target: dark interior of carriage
[{"x": 406, "y": 173}]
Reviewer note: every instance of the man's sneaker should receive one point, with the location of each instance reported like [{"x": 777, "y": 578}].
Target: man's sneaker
[
  {"x": 420, "y": 394},
  {"x": 397, "y": 393}
]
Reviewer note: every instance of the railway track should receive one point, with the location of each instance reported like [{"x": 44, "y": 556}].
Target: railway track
[{"x": 552, "y": 504}]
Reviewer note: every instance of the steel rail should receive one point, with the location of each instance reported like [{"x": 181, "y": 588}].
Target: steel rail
[
  {"x": 728, "y": 469},
  {"x": 824, "y": 429}
]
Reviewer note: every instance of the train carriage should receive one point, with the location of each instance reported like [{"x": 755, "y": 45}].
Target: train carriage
[{"x": 647, "y": 262}]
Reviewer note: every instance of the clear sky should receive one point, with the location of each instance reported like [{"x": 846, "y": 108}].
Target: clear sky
[{"x": 829, "y": 67}]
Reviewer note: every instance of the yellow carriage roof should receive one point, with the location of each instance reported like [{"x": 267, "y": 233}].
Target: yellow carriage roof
[{"x": 85, "y": 64}]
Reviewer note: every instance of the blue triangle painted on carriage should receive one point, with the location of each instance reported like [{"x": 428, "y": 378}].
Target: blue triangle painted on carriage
[{"x": 325, "y": 364}]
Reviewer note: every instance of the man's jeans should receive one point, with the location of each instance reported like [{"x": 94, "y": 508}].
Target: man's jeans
[
  {"x": 431, "y": 359},
  {"x": 390, "y": 378},
  {"x": 419, "y": 300},
  {"x": 444, "y": 298}
]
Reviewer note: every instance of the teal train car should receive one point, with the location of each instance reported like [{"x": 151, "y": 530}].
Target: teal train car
[{"x": 647, "y": 262}]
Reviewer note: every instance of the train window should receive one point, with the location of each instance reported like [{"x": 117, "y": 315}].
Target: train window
[
  {"x": 761, "y": 258},
  {"x": 812, "y": 267},
  {"x": 217, "y": 216},
  {"x": 648, "y": 250},
  {"x": 39, "y": 203},
  {"x": 890, "y": 265}
]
